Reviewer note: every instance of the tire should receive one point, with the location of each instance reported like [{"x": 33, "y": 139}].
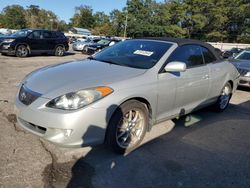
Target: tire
[
  {"x": 127, "y": 127},
  {"x": 84, "y": 50},
  {"x": 59, "y": 51},
  {"x": 224, "y": 98},
  {"x": 22, "y": 51}
]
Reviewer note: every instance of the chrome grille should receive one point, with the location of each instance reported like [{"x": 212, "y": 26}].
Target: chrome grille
[
  {"x": 27, "y": 96},
  {"x": 242, "y": 71}
]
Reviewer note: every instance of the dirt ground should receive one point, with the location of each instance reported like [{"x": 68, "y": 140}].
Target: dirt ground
[{"x": 211, "y": 150}]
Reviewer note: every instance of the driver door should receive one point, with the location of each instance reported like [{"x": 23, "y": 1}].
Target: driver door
[
  {"x": 35, "y": 41},
  {"x": 181, "y": 92}
]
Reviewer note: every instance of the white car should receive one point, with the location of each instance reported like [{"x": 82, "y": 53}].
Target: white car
[{"x": 81, "y": 45}]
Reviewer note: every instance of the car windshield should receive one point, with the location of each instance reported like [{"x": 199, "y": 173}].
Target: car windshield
[
  {"x": 142, "y": 54},
  {"x": 245, "y": 55},
  {"x": 105, "y": 42},
  {"x": 22, "y": 33},
  {"x": 88, "y": 40}
]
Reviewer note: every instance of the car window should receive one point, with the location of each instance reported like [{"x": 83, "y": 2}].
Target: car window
[
  {"x": 22, "y": 33},
  {"x": 208, "y": 56},
  {"x": 47, "y": 35},
  {"x": 245, "y": 55},
  {"x": 104, "y": 42},
  {"x": 95, "y": 40},
  {"x": 35, "y": 35},
  {"x": 189, "y": 54},
  {"x": 142, "y": 54}
]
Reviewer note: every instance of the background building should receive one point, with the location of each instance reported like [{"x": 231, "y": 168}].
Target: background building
[{"x": 80, "y": 31}]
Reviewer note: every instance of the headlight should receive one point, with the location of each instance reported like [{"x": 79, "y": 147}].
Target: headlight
[
  {"x": 8, "y": 40},
  {"x": 247, "y": 74},
  {"x": 79, "y": 99}
]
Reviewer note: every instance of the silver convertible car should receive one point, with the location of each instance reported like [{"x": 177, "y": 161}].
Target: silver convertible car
[{"x": 118, "y": 94}]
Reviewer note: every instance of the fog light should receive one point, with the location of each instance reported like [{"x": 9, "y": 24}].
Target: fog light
[
  {"x": 58, "y": 135},
  {"x": 6, "y": 46},
  {"x": 67, "y": 132}
]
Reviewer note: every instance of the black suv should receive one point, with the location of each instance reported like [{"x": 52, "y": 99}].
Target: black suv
[{"x": 30, "y": 41}]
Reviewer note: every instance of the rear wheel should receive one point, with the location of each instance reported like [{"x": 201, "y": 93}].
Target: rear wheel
[
  {"x": 22, "y": 51},
  {"x": 128, "y": 126},
  {"x": 60, "y": 51},
  {"x": 224, "y": 98}
]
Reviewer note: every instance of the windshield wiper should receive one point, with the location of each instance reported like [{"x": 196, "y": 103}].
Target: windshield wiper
[
  {"x": 110, "y": 62},
  {"x": 105, "y": 61}
]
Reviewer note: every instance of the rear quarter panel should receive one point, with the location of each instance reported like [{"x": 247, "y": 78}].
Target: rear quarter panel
[{"x": 220, "y": 73}]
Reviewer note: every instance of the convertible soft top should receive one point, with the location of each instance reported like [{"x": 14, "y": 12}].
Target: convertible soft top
[{"x": 183, "y": 41}]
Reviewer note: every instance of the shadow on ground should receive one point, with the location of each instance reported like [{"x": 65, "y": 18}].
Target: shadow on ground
[
  {"x": 43, "y": 54},
  {"x": 211, "y": 151}
]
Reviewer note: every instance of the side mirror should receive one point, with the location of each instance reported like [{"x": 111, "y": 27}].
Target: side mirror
[{"x": 175, "y": 66}]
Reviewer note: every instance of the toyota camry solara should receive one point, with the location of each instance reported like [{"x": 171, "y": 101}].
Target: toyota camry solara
[{"x": 118, "y": 94}]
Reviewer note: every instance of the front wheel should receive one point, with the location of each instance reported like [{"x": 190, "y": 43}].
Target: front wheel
[
  {"x": 22, "y": 51},
  {"x": 224, "y": 98},
  {"x": 60, "y": 51},
  {"x": 85, "y": 50},
  {"x": 128, "y": 126}
]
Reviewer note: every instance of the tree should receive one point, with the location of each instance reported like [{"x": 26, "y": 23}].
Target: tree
[
  {"x": 117, "y": 20},
  {"x": 32, "y": 16},
  {"x": 83, "y": 17},
  {"x": 100, "y": 18},
  {"x": 41, "y": 18},
  {"x": 102, "y": 24},
  {"x": 13, "y": 17}
]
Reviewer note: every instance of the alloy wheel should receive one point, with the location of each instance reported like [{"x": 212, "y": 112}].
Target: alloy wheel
[
  {"x": 225, "y": 96},
  {"x": 130, "y": 129},
  {"x": 22, "y": 51},
  {"x": 59, "y": 51}
]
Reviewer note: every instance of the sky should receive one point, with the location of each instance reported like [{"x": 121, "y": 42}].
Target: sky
[{"x": 64, "y": 9}]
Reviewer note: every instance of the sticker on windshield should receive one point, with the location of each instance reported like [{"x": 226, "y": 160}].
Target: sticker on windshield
[{"x": 143, "y": 52}]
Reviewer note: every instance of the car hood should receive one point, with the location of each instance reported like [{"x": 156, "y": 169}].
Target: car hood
[
  {"x": 242, "y": 64},
  {"x": 7, "y": 37},
  {"x": 53, "y": 81},
  {"x": 83, "y": 43}
]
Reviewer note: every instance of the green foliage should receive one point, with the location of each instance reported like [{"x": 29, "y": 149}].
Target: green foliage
[
  {"x": 83, "y": 17},
  {"x": 210, "y": 20},
  {"x": 117, "y": 20},
  {"x": 13, "y": 17}
]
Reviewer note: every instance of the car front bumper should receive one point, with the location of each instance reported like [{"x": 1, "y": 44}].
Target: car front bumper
[
  {"x": 244, "y": 81},
  {"x": 84, "y": 127},
  {"x": 7, "y": 48},
  {"x": 77, "y": 48}
]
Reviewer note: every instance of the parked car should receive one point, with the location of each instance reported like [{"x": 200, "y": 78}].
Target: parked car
[
  {"x": 81, "y": 39},
  {"x": 231, "y": 53},
  {"x": 118, "y": 94},
  {"x": 242, "y": 63},
  {"x": 72, "y": 40},
  {"x": 96, "y": 47},
  {"x": 30, "y": 41},
  {"x": 82, "y": 46}
]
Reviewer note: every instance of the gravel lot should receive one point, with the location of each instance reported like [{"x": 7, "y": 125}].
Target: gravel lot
[{"x": 205, "y": 149}]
